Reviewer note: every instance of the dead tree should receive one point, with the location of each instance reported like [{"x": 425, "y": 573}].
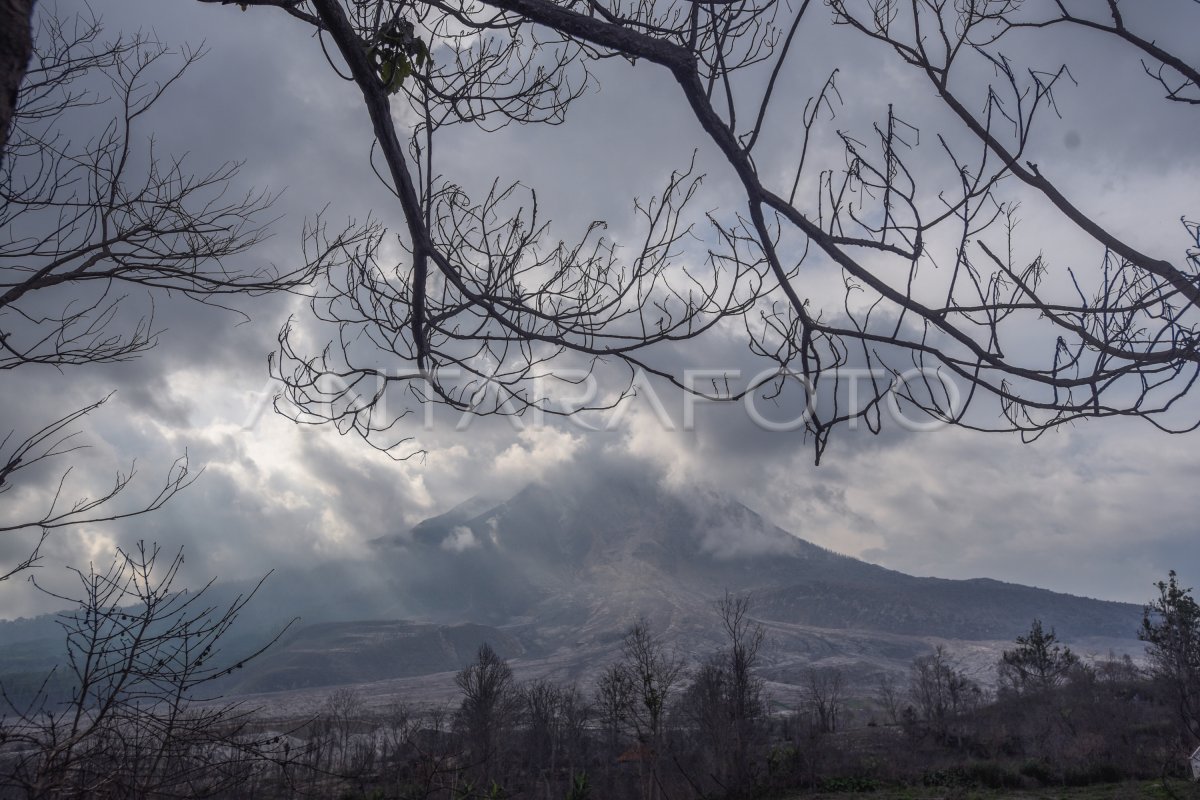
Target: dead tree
[
  {"x": 654, "y": 671},
  {"x": 141, "y": 719},
  {"x": 111, "y": 218},
  {"x": 825, "y": 697},
  {"x": 747, "y": 703},
  {"x": 92, "y": 230},
  {"x": 613, "y": 701},
  {"x": 915, "y": 220},
  {"x": 888, "y": 694},
  {"x": 725, "y": 700},
  {"x": 52, "y": 443},
  {"x": 555, "y": 721},
  {"x": 489, "y": 709},
  {"x": 940, "y": 691}
]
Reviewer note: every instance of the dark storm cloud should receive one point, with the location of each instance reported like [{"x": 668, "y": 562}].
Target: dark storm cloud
[{"x": 1099, "y": 509}]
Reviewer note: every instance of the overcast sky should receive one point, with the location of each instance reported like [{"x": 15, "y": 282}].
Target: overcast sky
[{"x": 1101, "y": 508}]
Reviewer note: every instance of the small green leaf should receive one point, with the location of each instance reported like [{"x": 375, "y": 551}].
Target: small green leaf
[
  {"x": 394, "y": 52},
  {"x": 420, "y": 52}
]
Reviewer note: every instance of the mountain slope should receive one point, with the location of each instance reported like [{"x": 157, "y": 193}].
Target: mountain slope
[
  {"x": 554, "y": 576},
  {"x": 596, "y": 555},
  {"x": 360, "y": 652}
]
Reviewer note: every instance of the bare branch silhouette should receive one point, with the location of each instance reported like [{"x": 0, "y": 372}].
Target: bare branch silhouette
[
  {"x": 486, "y": 307},
  {"x": 92, "y": 230}
]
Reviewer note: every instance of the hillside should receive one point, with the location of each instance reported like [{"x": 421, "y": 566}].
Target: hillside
[
  {"x": 589, "y": 558},
  {"x": 361, "y": 652},
  {"x": 554, "y": 575}
]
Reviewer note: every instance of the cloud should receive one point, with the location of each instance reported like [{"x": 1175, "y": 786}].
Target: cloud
[
  {"x": 1095, "y": 509},
  {"x": 536, "y": 452},
  {"x": 460, "y": 539},
  {"x": 738, "y": 536}
]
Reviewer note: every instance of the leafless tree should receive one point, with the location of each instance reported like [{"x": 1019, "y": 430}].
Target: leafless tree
[
  {"x": 725, "y": 700},
  {"x": 1116, "y": 669},
  {"x": 575, "y": 716},
  {"x": 109, "y": 215},
  {"x": 655, "y": 671},
  {"x": 490, "y": 707},
  {"x": 728, "y": 746},
  {"x": 825, "y": 696},
  {"x": 140, "y": 720},
  {"x": 888, "y": 693},
  {"x": 555, "y": 721},
  {"x": 51, "y": 443},
  {"x": 89, "y": 225},
  {"x": 918, "y": 218},
  {"x": 940, "y": 691},
  {"x": 419, "y": 756},
  {"x": 342, "y": 709},
  {"x": 705, "y": 707},
  {"x": 613, "y": 701},
  {"x": 82, "y": 224}
]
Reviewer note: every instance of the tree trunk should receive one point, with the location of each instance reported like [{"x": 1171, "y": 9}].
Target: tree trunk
[{"x": 16, "y": 45}]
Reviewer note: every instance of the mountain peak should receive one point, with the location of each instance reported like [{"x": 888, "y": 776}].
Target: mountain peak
[{"x": 558, "y": 550}]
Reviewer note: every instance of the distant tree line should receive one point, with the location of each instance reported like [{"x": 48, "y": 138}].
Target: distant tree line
[{"x": 136, "y": 720}]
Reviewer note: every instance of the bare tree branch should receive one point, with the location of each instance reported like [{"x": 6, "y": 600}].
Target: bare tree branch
[{"x": 920, "y": 222}]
